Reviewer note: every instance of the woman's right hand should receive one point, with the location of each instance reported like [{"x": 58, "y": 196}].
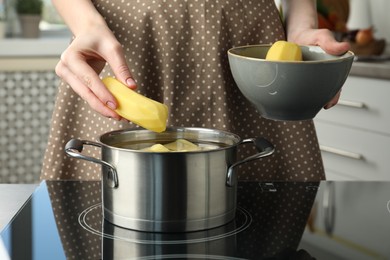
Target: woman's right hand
[{"x": 84, "y": 59}]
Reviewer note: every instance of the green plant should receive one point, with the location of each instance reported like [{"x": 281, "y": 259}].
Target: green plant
[{"x": 29, "y": 6}]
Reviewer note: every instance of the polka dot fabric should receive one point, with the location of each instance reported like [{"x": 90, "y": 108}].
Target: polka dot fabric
[
  {"x": 68, "y": 200},
  {"x": 177, "y": 53},
  {"x": 279, "y": 216}
]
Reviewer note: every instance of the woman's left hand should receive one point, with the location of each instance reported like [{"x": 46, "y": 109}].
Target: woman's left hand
[{"x": 325, "y": 39}]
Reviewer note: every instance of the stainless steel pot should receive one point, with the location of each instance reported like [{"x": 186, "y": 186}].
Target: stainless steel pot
[{"x": 169, "y": 191}]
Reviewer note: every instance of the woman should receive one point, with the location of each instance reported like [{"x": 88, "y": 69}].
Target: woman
[{"x": 175, "y": 51}]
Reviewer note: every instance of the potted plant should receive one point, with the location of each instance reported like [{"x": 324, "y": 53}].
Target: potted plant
[{"x": 30, "y": 14}]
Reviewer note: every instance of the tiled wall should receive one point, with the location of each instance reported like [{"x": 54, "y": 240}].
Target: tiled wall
[{"x": 26, "y": 104}]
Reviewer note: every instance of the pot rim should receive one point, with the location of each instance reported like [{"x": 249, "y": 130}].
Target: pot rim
[{"x": 233, "y": 138}]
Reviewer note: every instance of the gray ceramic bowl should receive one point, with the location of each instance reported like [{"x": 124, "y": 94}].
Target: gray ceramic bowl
[{"x": 288, "y": 90}]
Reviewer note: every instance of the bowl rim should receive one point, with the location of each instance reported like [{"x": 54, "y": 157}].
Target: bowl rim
[{"x": 345, "y": 56}]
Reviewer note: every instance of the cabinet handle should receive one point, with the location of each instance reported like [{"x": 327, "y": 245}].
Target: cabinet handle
[
  {"x": 340, "y": 152},
  {"x": 350, "y": 103},
  {"x": 329, "y": 205}
]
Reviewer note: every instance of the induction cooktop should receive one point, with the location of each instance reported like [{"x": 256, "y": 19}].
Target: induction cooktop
[{"x": 278, "y": 220}]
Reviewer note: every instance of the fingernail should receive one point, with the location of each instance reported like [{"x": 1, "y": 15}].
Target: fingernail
[
  {"x": 111, "y": 105},
  {"x": 130, "y": 82}
]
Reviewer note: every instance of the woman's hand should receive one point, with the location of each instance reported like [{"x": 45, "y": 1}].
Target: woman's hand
[
  {"x": 84, "y": 59},
  {"x": 325, "y": 39},
  {"x": 301, "y": 22}
]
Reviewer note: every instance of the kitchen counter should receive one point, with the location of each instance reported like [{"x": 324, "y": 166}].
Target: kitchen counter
[
  {"x": 12, "y": 198},
  {"x": 327, "y": 220},
  {"x": 43, "y": 53},
  {"x": 51, "y": 43},
  {"x": 23, "y": 50},
  {"x": 378, "y": 69}
]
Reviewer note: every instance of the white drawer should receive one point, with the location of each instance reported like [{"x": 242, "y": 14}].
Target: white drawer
[
  {"x": 364, "y": 103},
  {"x": 354, "y": 153}
]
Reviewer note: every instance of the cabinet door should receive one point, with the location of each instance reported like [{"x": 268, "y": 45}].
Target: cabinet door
[
  {"x": 364, "y": 104},
  {"x": 354, "y": 153}
]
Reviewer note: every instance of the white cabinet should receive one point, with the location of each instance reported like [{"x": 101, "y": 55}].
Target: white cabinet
[
  {"x": 355, "y": 134},
  {"x": 351, "y": 221}
]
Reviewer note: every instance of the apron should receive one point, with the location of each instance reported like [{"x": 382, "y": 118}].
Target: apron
[{"x": 177, "y": 53}]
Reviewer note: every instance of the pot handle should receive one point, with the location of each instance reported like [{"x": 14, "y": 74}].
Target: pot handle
[
  {"x": 264, "y": 148},
  {"x": 74, "y": 147}
]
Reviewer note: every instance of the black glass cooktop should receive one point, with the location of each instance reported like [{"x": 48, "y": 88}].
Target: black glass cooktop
[{"x": 279, "y": 220}]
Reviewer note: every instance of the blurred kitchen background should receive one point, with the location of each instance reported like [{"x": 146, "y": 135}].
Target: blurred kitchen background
[{"x": 28, "y": 85}]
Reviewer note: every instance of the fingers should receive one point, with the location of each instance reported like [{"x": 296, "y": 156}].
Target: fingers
[
  {"x": 329, "y": 44},
  {"x": 86, "y": 89},
  {"x": 84, "y": 59},
  {"x": 117, "y": 62},
  {"x": 323, "y": 38},
  {"x": 333, "y": 101},
  {"x": 77, "y": 65},
  {"x": 80, "y": 68}
]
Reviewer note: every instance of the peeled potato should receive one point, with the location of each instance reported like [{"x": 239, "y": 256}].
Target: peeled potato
[
  {"x": 156, "y": 148},
  {"x": 284, "y": 51},
  {"x": 137, "y": 108},
  {"x": 182, "y": 145}
]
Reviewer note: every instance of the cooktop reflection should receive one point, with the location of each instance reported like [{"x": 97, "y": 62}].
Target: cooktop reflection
[
  {"x": 63, "y": 220},
  {"x": 242, "y": 221}
]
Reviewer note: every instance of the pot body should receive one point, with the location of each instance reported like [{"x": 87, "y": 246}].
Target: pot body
[{"x": 168, "y": 191}]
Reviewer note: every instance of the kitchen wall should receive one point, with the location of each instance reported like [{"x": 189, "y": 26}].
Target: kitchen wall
[
  {"x": 380, "y": 10},
  {"x": 26, "y": 103},
  {"x": 28, "y": 86}
]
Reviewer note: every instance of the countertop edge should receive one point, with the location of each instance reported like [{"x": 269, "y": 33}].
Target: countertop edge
[
  {"x": 377, "y": 70},
  {"x": 33, "y": 47},
  {"x": 12, "y": 198},
  {"x": 53, "y": 46}
]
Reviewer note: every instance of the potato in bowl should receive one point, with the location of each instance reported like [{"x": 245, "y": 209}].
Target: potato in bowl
[{"x": 288, "y": 90}]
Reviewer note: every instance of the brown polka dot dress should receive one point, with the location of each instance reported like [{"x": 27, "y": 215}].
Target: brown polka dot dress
[{"x": 177, "y": 53}]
